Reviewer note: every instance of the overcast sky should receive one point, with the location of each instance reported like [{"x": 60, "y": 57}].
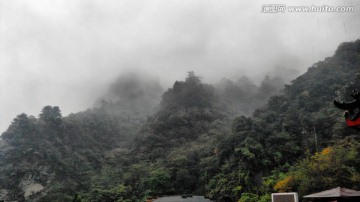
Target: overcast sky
[{"x": 66, "y": 53}]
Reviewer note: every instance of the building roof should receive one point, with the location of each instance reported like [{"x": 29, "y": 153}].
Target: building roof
[
  {"x": 334, "y": 193},
  {"x": 180, "y": 199}
]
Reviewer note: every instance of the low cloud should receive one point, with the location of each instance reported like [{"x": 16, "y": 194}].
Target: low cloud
[{"x": 67, "y": 53}]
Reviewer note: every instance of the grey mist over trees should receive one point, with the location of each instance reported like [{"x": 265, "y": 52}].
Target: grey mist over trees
[
  {"x": 243, "y": 95},
  {"x": 67, "y": 53},
  {"x": 132, "y": 93},
  {"x": 139, "y": 94},
  {"x": 196, "y": 140}
]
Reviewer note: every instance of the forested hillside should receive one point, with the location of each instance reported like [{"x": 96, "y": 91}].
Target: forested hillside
[{"x": 193, "y": 138}]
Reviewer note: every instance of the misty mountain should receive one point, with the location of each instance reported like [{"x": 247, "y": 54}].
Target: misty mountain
[
  {"x": 244, "y": 96},
  {"x": 186, "y": 111},
  {"x": 133, "y": 94},
  {"x": 65, "y": 151},
  {"x": 141, "y": 142}
]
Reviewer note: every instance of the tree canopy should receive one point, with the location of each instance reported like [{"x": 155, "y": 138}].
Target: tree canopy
[{"x": 202, "y": 139}]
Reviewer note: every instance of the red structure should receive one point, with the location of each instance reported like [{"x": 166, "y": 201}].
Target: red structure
[{"x": 351, "y": 123}]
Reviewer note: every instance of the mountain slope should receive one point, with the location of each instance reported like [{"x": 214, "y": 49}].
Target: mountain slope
[
  {"x": 125, "y": 150},
  {"x": 294, "y": 125}
]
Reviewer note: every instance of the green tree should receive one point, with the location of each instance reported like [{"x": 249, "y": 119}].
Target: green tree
[
  {"x": 51, "y": 114},
  {"x": 332, "y": 167},
  {"x": 159, "y": 182}
]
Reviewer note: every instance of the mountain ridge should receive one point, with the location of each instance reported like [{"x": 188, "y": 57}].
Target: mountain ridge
[{"x": 194, "y": 141}]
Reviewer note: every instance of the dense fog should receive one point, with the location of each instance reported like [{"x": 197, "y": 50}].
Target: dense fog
[{"x": 70, "y": 53}]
